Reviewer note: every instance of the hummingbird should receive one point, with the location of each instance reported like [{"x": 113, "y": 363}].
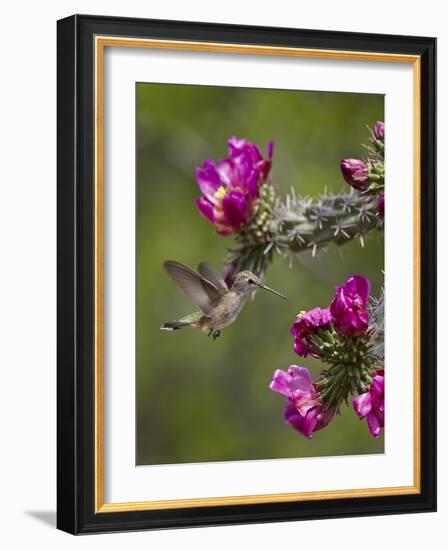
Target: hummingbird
[{"x": 219, "y": 305}]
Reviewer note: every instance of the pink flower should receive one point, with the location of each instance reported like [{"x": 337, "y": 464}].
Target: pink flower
[
  {"x": 370, "y": 405},
  {"x": 355, "y": 173},
  {"x": 349, "y": 306},
  {"x": 306, "y": 325},
  {"x": 230, "y": 187},
  {"x": 304, "y": 410}
]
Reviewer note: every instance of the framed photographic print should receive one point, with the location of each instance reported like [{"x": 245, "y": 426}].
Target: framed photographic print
[{"x": 246, "y": 274}]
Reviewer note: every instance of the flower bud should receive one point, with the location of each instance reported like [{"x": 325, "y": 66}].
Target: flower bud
[
  {"x": 378, "y": 130},
  {"x": 355, "y": 173}
]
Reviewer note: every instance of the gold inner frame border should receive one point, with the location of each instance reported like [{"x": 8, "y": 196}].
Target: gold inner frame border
[{"x": 101, "y": 42}]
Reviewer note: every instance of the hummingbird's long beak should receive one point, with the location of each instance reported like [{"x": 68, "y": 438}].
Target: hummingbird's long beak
[{"x": 274, "y": 291}]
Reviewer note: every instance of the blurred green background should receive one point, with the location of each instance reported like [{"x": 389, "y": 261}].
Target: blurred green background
[{"x": 200, "y": 400}]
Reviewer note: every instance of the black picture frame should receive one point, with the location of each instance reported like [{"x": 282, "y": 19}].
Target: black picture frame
[{"x": 76, "y": 253}]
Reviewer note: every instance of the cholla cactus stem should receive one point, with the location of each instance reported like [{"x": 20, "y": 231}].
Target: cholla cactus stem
[{"x": 299, "y": 225}]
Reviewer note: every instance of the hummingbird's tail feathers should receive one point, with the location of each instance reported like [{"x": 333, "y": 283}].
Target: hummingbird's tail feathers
[{"x": 174, "y": 325}]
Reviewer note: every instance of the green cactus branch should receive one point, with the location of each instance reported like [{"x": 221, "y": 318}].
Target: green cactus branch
[{"x": 300, "y": 224}]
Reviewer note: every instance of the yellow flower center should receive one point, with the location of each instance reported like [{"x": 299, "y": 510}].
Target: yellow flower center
[
  {"x": 220, "y": 193},
  {"x": 300, "y": 314}
]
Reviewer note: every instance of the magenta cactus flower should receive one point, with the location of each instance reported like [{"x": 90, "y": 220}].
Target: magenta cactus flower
[
  {"x": 355, "y": 173},
  {"x": 349, "y": 306},
  {"x": 230, "y": 187},
  {"x": 305, "y": 325},
  {"x": 378, "y": 130},
  {"x": 304, "y": 410},
  {"x": 370, "y": 405},
  {"x": 380, "y": 206}
]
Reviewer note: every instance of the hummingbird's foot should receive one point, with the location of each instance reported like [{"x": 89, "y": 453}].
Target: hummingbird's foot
[
  {"x": 216, "y": 334},
  {"x": 210, "y": 332}
]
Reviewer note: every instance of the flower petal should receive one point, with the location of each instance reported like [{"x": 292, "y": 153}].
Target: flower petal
[
  {"x": 243, "y": 165},
  {"x": 318, "y": 317},
  {"x": 227, "y": 172},
  {"x": 304, "y": 401},
  {"x": 206, "y": 209},
  {"x": 378, "y": 385},
  {"x": 377, "y": 391},
  {"x": 236, "y": 145},
  {"x": 301, "y": 347},
  {"x": 324, "y": 417},
  {"x": 362, "y": 405},
  {"x": 297, "y": 421},
  {"x": 234, "y": 207},
  {"x": 310, "y": 423},
  {"x": 252, "y": 184},
  {"x": 301, "y": 378},
  {"x": 264, "y": 167},
  {"x": 357, "y": 284},
  {"x": 374, "y": 423},
  {"x": 208, "y": 181},
  {"x": 255, "y": 153},
  {"x": 281, "y": 383}
]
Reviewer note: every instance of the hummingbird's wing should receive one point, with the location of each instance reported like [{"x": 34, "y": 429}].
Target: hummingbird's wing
[
  {"x": 213, "y": 276},
  {"x": 199, "y": 290}
]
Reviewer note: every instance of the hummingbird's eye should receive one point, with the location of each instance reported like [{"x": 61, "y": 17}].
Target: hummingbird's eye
[{"x": 251, "y": 282}]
